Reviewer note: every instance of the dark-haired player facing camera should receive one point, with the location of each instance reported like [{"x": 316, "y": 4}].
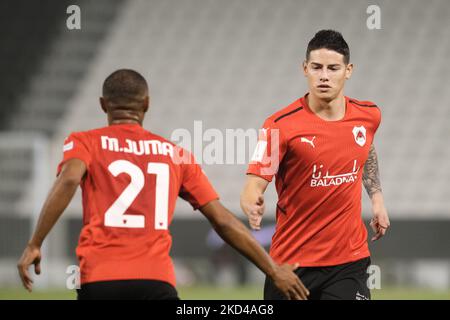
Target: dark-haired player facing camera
[{"x": 320, "y": 150}]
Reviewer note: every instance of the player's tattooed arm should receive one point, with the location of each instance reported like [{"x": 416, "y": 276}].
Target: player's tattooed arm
[
  {"x": 371, "y": 174},
  {"x": 371, "y": 180}
]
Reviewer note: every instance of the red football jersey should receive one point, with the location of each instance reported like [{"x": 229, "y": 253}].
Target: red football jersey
[
  {"x": 129, "y": 193},
  {"x": 318, "y": 167}
]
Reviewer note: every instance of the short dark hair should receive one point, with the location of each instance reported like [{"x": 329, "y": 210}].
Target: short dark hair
[
  {"x": 331, "y": 40},
  {"x": 125, "y": 85}
]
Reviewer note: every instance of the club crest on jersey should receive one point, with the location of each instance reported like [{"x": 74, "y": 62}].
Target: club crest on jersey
[{"x": 360, "y": 135}]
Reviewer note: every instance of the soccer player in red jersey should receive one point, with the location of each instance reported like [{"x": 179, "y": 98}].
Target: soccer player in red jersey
[
  {"x": 130, "y": 180},
  {"x": 320, "y": 150}
]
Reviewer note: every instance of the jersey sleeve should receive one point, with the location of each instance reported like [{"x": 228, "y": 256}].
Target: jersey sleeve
[
  {"x": 269, "y": 152},
  {"x": 196, "y": 188},
  {"x": 75, "y": 147},
  {"x": 377, "y": 118}
]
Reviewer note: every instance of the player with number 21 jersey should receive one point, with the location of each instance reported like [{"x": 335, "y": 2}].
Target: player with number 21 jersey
[{"x": 129, "y": 195}]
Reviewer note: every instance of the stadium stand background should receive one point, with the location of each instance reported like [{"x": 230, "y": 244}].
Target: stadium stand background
[{"x": 229, "y": 64}]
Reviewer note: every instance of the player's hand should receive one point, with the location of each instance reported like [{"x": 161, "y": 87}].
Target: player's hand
[
  {"x": 380, "y": 222},
  {"x": 254, "y": 211},
  {"x": 31, "y": 255},
  {"x": 289, "y": 283}
]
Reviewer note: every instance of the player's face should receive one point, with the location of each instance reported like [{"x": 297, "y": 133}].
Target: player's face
[{"x": 326, "y": 73}]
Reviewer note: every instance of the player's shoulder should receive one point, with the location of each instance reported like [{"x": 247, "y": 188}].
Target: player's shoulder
[
  {"x": 363, "y": 104},
  {"x": 86, "y": 136},
  {"x": 366, "y": 108},
  {"x": 286, "y": 112},
  {"x": 79, "y": 135},
  {"x": 90, "y": 133},
  {"x": 149, "y": 135},
  {"x": 181, "y": 155}
]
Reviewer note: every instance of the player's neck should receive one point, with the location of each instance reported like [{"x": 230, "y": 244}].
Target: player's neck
[
  {"x": 331, "y": 110},
  {"x": 124, "y": 121}
]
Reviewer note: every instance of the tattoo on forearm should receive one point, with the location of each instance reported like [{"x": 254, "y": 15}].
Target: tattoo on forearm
[{"x": 371, "y": 175}]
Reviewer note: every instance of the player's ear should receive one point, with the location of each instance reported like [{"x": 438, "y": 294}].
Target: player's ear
[
  {"x": 103, "y": 104},
  {"x": 305, "y": 68},
  {"x": 146, "y": 103},
  {"x": 348, "y": 71}
]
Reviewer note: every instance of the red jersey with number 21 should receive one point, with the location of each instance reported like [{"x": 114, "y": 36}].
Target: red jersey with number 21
[{"x": 129, "y": 193}]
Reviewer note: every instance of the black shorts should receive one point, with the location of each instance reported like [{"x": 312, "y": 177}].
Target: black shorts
[
  {"x": 342, "y": 282},
  {"x": 127, "y": 290}
]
